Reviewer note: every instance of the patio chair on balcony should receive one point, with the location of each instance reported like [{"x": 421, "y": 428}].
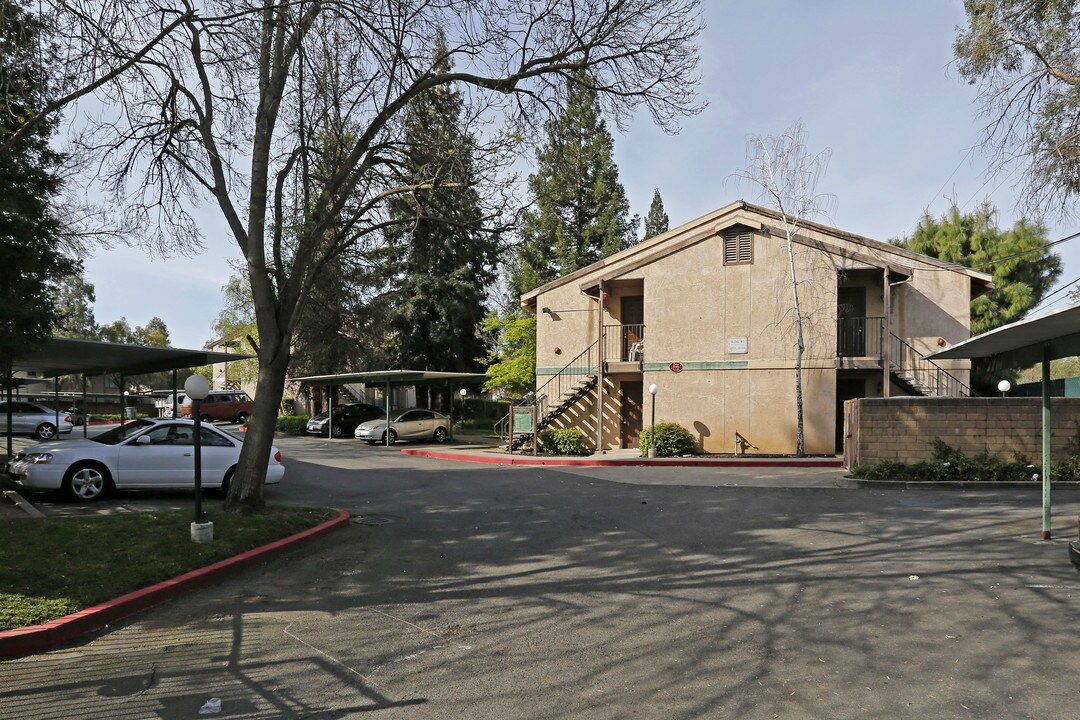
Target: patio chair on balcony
[{"x": 637, "y": 351}]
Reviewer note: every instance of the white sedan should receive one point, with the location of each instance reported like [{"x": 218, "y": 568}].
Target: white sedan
[{"x": 143, "y": 454}]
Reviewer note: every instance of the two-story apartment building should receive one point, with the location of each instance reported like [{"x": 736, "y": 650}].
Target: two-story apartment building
[{"x": 705, "y": 313}]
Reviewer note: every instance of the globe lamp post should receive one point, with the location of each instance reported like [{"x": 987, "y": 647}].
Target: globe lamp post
[
  {"x": 462, "y": 392},
  {"x": 652, "y": 425},
  {"x": 1004, "y": 386},
  {"x": 197, "y": 388}
]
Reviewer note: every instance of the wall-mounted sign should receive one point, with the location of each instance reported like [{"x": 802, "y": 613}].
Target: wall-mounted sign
[
  {"x": 737, "y": 345},
  {"x": 675, "y": 367}
]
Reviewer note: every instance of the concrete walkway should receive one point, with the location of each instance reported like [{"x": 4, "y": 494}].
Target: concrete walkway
[{"x": 493, "y": 455}]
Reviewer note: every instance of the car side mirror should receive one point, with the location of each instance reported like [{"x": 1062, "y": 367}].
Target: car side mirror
[{"x": 143, "y": 440}]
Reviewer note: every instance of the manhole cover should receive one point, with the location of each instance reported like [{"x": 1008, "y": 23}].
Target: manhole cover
[{"x": 372, "y": 520}]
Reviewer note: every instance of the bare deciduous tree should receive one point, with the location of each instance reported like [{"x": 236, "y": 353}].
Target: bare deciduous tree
[
  {"x": 786, "y": 175},
  {"x": 287, "y": 115}
]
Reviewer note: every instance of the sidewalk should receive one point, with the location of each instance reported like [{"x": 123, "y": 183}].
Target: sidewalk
[{"x": 630, "y": 457}]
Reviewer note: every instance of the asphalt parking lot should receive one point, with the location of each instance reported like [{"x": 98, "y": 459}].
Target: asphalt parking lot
[{"x": 525, "y": 592}]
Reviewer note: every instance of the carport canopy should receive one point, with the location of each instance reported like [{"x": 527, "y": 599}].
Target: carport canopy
[
  {"x": 57, "y": 357},
  {"x": 60, "y": 356},
  {"x": 395, "y": 377},
  {"x": 1047, "y": 337},
  {"x": 392, "y": 378}
]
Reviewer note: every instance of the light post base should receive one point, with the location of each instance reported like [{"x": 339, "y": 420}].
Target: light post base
[
  {"x": 202, "y": 533},
  {"x": 652, "y": 452}
]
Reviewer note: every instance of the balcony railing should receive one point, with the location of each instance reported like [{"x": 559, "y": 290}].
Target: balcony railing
[
  {"x": 623, "y": 343},
  {"x": 860, "y": 337}
]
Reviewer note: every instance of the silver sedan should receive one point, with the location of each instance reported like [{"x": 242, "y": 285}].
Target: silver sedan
[
  {"x": 412, "y": 424},
  {"x": 31, "y": 418}
]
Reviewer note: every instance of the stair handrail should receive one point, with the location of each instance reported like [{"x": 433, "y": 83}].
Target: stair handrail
[
  {"x": 929, "y": 375},
  {"x": 561, "y": 384}
]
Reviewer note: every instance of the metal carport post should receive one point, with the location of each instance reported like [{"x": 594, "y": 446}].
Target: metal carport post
[{"x": 1024, "y": 343}]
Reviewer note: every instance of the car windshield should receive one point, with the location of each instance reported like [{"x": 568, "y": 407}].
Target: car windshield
[{"x": 119, "y": 434}]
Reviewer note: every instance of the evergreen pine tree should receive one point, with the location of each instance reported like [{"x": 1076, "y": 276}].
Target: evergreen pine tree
[
  {"x": 656, "y": 222},
  {"x": 445, "y": 260},
  {"x": 1022, "y": 266},
  {"x": 580, "y": 211},
  {"x": 31, "y": 262}
]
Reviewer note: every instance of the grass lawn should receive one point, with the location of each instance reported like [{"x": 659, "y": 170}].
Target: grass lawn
[{"x": 56, "y": 566}]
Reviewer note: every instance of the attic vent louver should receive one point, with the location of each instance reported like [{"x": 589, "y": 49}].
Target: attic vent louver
[{"x": 738, "y": 246}]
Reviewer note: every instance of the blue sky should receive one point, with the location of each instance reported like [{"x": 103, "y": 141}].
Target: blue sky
[{"x": 874, "y": 81}]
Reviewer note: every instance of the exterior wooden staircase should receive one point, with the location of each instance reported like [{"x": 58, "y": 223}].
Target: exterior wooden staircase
[
  {"x": 919, "y": 376},
  {"x": 560, "y": 393},
  {"x": 866, "y": 337}
]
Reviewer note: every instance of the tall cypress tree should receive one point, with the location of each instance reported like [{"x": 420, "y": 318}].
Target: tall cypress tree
[
  {"x": 31, "y": 262},
  {"x": 446, "y": 260},
  {"x": 656, "y": 222},
  {"x": 580, "y": 213}
]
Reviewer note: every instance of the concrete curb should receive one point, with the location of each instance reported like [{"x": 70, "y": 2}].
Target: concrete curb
[
  {"x": 955, "y": 485},
  {"x": 635, "y": 462},
  {"x": 38, "y": 638}
]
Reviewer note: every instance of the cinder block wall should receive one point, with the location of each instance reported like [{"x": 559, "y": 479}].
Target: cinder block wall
[{"x": 902, "y": 428}]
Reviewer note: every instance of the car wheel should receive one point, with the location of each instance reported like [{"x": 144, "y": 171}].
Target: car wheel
[
  {"x": 393, "y": 437},
  {"x": 227, "y": 481},
  {"x": 206, "y": 419},
  {"x": 440, "y": 435},
  {"x": 77, "y": 421},
  {"x": 336, "y": 431},
  {"x": 46, "y": 431},
  {"x": 242, "y": 418},
  {"x": 86, "y": 482}
]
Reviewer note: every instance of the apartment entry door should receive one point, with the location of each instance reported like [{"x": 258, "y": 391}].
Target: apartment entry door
[
  {"x": 632, "y": 317},
  {"x": 630, "y": 414},
  {"x": 851, "y": 314},
  {"x": 846, "y": 389}
]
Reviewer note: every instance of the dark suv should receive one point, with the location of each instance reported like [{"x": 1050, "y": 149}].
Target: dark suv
[
  {"x": 231, "y": 405},
  {"x": 346, "y": 418}
]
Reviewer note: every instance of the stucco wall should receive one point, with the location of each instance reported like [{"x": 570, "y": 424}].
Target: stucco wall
[
  {"x": 694, "y": 305},
  {"x": 903, "y": 428}
]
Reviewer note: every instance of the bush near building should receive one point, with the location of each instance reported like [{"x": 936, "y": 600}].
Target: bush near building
[
  {"x": 672, "y": 440},
  {"x": 569, "y": 441}
]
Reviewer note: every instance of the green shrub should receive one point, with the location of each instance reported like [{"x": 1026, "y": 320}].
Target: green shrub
[
  {"x": 948, "y": 463},
  {"x": 568, "y": 441},
  {"x": 672, "y": 440},
  {"x": 293, "y": 424},
  {"x": 1068, "y": 470}
]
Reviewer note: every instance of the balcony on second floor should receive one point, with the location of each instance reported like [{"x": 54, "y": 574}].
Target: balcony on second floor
[
  {"x": 622, "y": 348},
  {"x": 860, "y": 342}
]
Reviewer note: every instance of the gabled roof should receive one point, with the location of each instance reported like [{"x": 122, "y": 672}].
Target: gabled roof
[{"x": 899, "y": 261}]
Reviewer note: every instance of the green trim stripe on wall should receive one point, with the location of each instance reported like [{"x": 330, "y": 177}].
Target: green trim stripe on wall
[
  {"x": 658, "y": 367},
  {"x": 704, "y": 365}
]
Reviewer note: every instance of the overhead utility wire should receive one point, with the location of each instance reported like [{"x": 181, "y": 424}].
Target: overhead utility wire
[
  {"x": 1060, "y": 289},
  {"x": 1040, "y": 248},
  {"x": 991, "y": 261}
]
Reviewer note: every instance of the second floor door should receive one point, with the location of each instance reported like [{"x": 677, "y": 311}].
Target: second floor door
[
  {"x": 632, "y": 317},
  {"x": 851, "y": 321}
]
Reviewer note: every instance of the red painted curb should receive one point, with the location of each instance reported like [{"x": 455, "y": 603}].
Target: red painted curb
[
  {"x": 37, "y": 638},
  {"x": 642, "y": 462}
]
